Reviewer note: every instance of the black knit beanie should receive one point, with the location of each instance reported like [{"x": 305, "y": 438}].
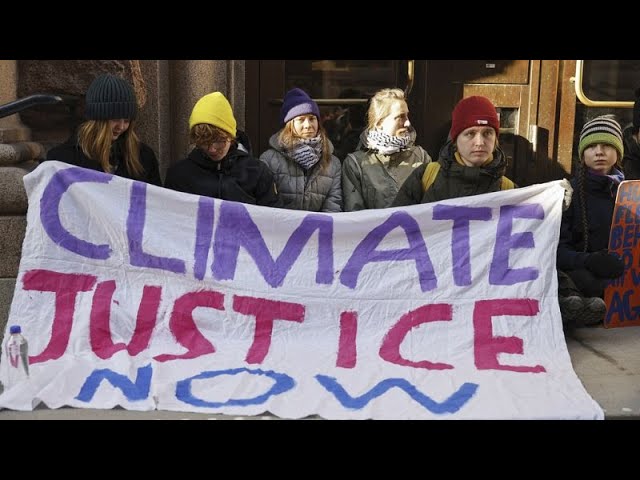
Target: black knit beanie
[{"x": 110, "y": 97}]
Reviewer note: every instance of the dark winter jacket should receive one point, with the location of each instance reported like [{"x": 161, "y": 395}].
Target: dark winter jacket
[
  {"x": 600, "y": 195},
  {"x": 70, "y": 152},
  {"x": 316, "y": 190},
  {"x": 244, "y": 143},
  {"x": 631, "y": 159},
  {"x": 453, "y": 180},
  {"x": 237, "y": 177}
]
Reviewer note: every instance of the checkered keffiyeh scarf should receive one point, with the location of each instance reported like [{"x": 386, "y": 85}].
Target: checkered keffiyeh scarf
[
  {"x": 386, "y": 144},
  {"x": 307, "y": 151}
]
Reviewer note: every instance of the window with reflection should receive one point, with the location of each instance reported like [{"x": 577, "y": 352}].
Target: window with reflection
[
  {"x": 603, "y": 81},
  {"x": 342, "y": 89},
  {"x": 610, "y": 80}
]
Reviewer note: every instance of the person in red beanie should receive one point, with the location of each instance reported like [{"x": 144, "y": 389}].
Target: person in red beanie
[{"x": 471, "y": 162}]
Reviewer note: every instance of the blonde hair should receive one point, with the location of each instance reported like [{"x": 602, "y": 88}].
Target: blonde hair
[
  {"x": 381, "y": 103},
  {"x": 288, "y": 137},
  {"x": 95, "y": 140}
]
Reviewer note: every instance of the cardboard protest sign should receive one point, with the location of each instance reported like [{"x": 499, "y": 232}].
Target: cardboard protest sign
[
  {"x": 622, "y": 295},
  {"x": 142, "y": 297}
]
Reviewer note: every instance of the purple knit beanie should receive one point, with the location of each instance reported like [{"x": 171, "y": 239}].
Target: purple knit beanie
[{"x": 297, "y": 102}]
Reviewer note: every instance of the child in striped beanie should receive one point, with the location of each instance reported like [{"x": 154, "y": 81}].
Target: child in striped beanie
[
  {"x": 583, "y": 261},
  {"x": 603, "y": 130}
]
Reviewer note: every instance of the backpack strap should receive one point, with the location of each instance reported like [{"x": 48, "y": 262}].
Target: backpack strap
[
  {"x": 506, "y": 184},
  {"x": 433, "y": 168},
  {"x": 424, "y": 155},
  {"x": 430, "y": 175}
]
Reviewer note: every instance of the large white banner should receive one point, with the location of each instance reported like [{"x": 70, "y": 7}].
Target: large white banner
[{"x": 133, "y": 295}]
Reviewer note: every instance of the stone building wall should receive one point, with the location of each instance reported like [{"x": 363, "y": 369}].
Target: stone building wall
[{"x": 166, "y": 92}]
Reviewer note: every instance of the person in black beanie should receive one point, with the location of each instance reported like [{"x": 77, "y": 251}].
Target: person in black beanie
[
  {"x": 107, "y": 141},
  {"x": 583, "y": 261},
  {"x": 631, "y": 135}
]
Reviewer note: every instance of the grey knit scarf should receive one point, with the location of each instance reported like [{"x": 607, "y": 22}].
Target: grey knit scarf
[{"x": 307, "y": 151}]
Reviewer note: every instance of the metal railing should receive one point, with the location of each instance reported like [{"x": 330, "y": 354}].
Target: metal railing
[
  {"x": 17, "y": 106},
  {"x": 593, "y": 103}
]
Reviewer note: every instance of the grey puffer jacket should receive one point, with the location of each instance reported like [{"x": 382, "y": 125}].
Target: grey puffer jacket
[
  {"x": 371, "y": 179},
  {"x": 314, "y": 190}
]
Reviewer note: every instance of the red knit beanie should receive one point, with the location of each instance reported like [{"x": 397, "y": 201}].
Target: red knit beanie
[{"x": 472, "y": 112}]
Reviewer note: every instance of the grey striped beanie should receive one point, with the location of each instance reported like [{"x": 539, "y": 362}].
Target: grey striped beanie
[
  {"x": 109, "y": 98},
  {"x": 602, "y": 129}
]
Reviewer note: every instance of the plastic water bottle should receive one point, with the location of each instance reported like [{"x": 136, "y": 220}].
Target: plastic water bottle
[{"x": 17, "y": 352}]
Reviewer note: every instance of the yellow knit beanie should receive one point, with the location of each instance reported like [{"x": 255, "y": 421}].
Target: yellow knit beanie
[{"x": 215, "y": 110}]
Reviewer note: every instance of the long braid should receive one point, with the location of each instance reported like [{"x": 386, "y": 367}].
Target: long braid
[
  {"x": 583, "y": 201},
  {"x": 600, "y": 130}
]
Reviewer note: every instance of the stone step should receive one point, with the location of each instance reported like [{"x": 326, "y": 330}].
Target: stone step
[
  {"x": 13, "y": 198},
  {"x": 19, "y": 152},
  {"x": 13, "y": 231}
]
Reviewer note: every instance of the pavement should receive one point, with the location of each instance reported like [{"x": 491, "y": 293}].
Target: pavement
[{"x": 607, "y": 361}]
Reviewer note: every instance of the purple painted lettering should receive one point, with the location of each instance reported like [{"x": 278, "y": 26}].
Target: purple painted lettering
[
  {"x": 50, "y": 211},
  {"x": 135, "y": 229},
  {"x": 365, "y": 252},
  {"x": 204, "y": 234},
  {"x": 236, "y": 228},
  {"x": 460, "y": 248},
  {"x": 499, "y": 272}
]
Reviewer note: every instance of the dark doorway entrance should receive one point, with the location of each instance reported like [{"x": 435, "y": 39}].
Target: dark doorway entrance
[{"x": 342, "y": 89}]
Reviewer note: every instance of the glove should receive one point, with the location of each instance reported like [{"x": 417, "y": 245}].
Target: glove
[
  {"x": 604, "y": 264},
  {"x": 568, "y": 193}
]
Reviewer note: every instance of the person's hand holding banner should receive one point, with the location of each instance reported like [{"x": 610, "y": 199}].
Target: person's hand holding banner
[{"x": 568, "y": 193}]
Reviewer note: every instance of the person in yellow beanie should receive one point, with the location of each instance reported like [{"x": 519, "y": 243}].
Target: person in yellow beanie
[{"x": 219, "y": 166}]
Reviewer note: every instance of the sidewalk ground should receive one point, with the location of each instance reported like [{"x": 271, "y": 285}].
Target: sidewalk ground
[{"x": 608, "y": 363}]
